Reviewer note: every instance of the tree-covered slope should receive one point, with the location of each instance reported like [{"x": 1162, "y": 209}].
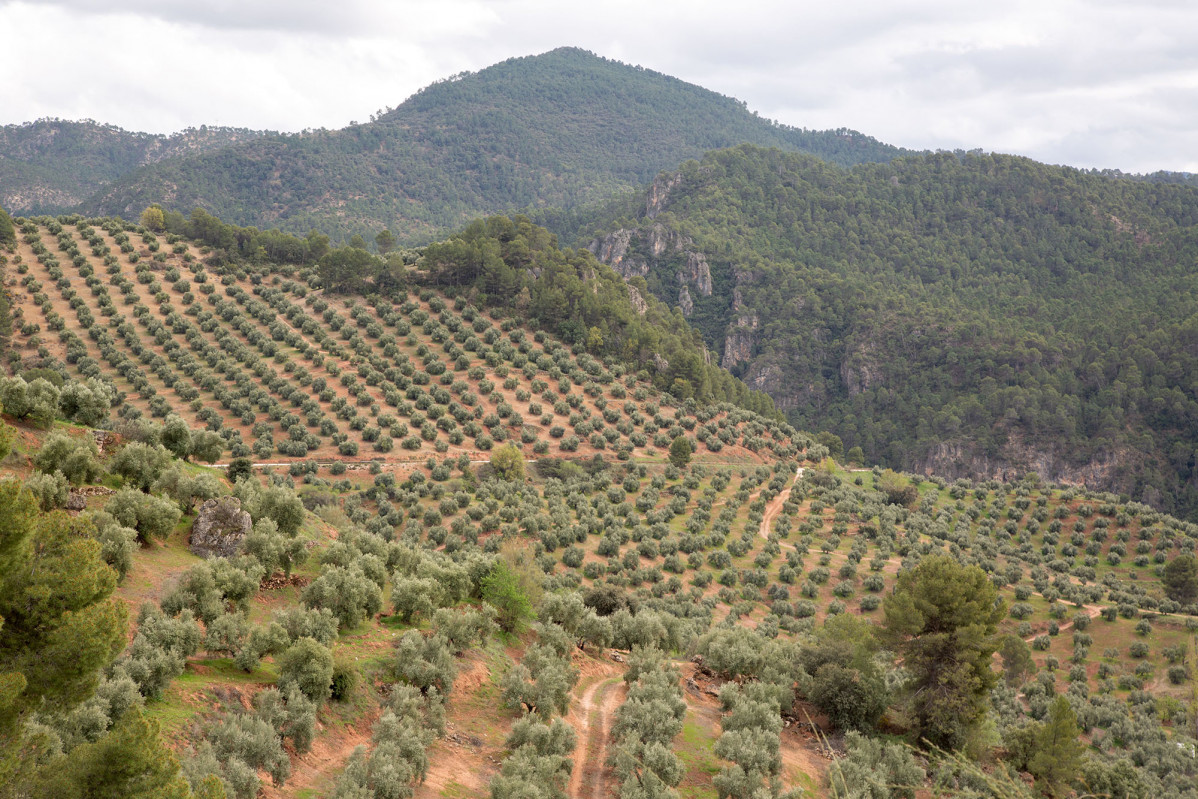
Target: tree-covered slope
[
  {"x": 975, "y": 315},
  {"x": 357, "y": 619},
  {"x": 558, "y": 129},
  {"x": 53, "y": 163}
]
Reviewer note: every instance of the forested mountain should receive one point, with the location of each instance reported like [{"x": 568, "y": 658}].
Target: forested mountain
[
  {"x": 969, "y": 314},
  {"x": 53, "y": 163},
  {"x": 558, "y": 129}
]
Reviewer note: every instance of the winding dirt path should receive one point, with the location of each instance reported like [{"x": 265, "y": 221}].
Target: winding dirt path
[
  {"x": 597, "y": 707},
  {"x": 775, "y": 506},
  {"x": 1093, "y": 611}
]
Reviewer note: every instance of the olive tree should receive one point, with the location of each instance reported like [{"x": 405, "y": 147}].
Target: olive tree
[{"x": 77, "y": 457}]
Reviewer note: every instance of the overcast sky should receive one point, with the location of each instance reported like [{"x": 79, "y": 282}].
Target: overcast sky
[{"x": 1102, "y": 83}]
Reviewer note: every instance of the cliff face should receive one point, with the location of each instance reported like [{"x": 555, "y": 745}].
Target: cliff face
[
  {"x": 655, "y": 249},
  {"x": 1107, "y": 470}
]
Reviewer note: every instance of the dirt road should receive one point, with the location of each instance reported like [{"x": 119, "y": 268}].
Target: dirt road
[{"x": 597, "y": 707}]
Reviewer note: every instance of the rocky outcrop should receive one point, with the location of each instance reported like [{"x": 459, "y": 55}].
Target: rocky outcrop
[
  {"x": 860, "y": 370},
  {"x": 637, "y": 301},
  {"x": 658, "y": 196},
  {"x": 1106, "y": 470},
  {"x": 661, "y": 240},
  {"x": 612, "y": 250},
  {"x": 613, "y": 247},
  {"x": 696, "y": 272},
  {"x": 738, "y": 343},
  {"x": 685, "y": 303},
  {"x": 219, "y": 528}
]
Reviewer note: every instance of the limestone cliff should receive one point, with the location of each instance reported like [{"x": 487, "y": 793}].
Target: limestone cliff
[{"x": 1106, "y": 470}]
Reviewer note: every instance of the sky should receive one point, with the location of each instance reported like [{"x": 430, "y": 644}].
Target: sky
[{"x": 1089, "y": 83}]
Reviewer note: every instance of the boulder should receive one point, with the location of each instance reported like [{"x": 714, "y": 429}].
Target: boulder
[{"x": 219, "y": 528}]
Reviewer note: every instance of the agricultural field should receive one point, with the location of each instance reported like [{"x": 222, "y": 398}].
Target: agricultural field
[
  {"x": 285, "y": 372},
  {"x": 484, "y": 564}
]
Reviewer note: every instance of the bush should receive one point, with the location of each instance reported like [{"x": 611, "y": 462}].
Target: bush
[
  {"x": 425, "y": 663},
  {"x": 345, "y": 680},
  {"x": 50, "y": 490},
  {"x": 681, "y": 451},
  {"x": 117, "y": 543},
  {"x": 307, "y": 666},
  {"x": 139, "y": 465},
  {"x": 502, "y": 589},
  {"x": 347, "y": 592},
  {"x": 873, "y": 768},
  {"x": 152, "y": 517},
  {"x": 77, "y": 457},
  {"x": 86, "y": 402}
]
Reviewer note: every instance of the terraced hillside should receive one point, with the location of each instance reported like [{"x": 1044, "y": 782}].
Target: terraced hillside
[
  {"x": 286, "y": 372},
  {"x": 466, "y": 618}
]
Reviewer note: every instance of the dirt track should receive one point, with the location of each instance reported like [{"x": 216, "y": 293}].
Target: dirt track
[
  {"x": 597, "y": 707},
  {"x": 775, "y": 506}
]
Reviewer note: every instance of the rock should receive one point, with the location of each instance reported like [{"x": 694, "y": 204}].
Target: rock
[
  {"x": 696, "y": 272},
  {"x": 685, "y": 303},
  {"x": 219, "y": 528},
  {"x": 638, "y": 302},
  {"x": 739, "y": 341},
  {"x": 612, "y": 248},
  {"x": 75, "y": 501},
  {"x": 659, "y": 194}
]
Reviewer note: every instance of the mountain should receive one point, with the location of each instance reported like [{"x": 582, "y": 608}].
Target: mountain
[
  {"x": 967, "y": 314},
  {"x": 559, "y": 129},
  {"x": 55, "y": 164}
]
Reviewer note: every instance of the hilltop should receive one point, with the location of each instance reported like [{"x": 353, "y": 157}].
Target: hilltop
[
  {"x": 559, "y": 129},
  {"x": 965, "y": 314}
]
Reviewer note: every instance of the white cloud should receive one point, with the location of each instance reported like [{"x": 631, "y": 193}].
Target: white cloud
[{"x": 1103, "y": 83}]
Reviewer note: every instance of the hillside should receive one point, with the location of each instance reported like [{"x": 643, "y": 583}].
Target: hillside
[
  {"x": 968, "y": 315},
  {"x": 559, "y": 129},
  {"x": 585, "y": 612},
  {"x": 333, "y": 377},
  {"x": 53, "y": 164}
]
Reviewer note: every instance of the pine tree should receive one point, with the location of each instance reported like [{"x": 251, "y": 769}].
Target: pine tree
[
  {"x": 1059, "y": 753},
  {"x": 943, "y": 617},
  {"x": 130, "y": 762}
]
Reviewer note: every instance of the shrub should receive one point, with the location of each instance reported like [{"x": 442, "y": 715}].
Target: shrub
[
  {"x": 50, "y": 490},
  {"x": 347, "y": 592},
  {"x": 77, "y": 457},
  {"x": 874, "y": 768},
  {"x": 425, "y": 663},
  {"x": 502, "y": 589},
  {"x": 140, "y": 465},
  {"x": 152, "y": 517},
  {"x": 307, "y": 666},
  {"x": 344, "y": 681}
]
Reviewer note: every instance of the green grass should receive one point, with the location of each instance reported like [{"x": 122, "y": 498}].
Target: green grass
[{"x": 693, "y": 747}]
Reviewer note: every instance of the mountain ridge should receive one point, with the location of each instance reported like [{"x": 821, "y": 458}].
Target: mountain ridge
[
  {"x": 559, "y": 129},
  {"x": 52, "y": 164}
]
